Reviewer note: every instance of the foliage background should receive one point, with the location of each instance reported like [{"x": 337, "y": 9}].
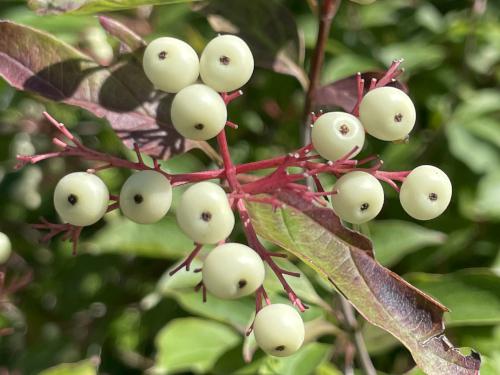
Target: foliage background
[{"x": 110, "y": 304}]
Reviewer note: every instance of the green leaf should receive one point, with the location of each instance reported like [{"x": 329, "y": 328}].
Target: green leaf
[
  {"x": 93, "y": 6},
  {"x": 87, "y": 367},
  {"x": 315, "y": 235},
  {"x": 31, "y": 60},
  {"x": 473, "y": 295},
  {"x": 192, "y": 344},
  {"x": 485, "y": 205},
  {"x": 304, "y": 362},
  {"x": 390, "y": 248},
  {"x": 160, "y": 240},
  {"x": 417, "y": 54}
]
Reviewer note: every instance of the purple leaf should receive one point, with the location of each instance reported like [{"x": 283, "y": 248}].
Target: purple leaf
[
  {"x": 269, "y": 29},
  {"x": 343, "y": 93},
  {"x": 117, "y": 29},
  {"x": 315, "y": 235},
  {"x": 31, "y": 60}
]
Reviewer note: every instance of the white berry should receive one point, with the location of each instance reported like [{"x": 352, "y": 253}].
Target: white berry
[
  {"x": 425, "y": 193},
  {"x": 387, "y": 113},
  {"x": 170, "y": 64},
  {"x": 204, "y": 213},
  {"x": 279, "y": 330},
  {"x": 226, "y": 63},
  {"x": 146, "y": 197},
  {"x": 5, "y": 248},
  {"x": 359, "y": 197},
  {"x": 233, "y": 270},
  {"x": 81, "y": 198},
  {"x": 198, "y": 112},
  {"x": 335, "y": 134}
]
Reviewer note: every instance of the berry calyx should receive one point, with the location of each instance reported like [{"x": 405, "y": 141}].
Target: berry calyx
[
  {"x": 204, "y": 213},
  {"x": 387, "y": 113},
  {"x": 170, "y": 64},
  {"x": 335, "y": 134},
  {"x": 226, "y": 63},
  {"x": 81, "y": 198},
  {"x": 5, "y": 248},
  {"x": 279, "y": 330},
  {"x": 233, "y": 270},
  {"x": 359, "y": 197},
  {"x": 146, "y": 197},
  {"x": 425, "y": 193},
  {"x": 198, "y": 112}
]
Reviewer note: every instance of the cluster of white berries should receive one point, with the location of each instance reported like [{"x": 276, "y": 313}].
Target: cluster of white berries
[
  {"x": 388, "y": 114},
  {"x": 198, "y": 112}
]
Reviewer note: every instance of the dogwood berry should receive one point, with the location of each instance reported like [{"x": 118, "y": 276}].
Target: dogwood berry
[
  {"x": 81, "y": 198},
  {"x": 279, "y": 330},
  {"x": 204, "y": 213},
  {"x": 233, "y": 270},
  {"x": 146, "y": 197},
  {"x": 198, "y": 112},
  {"x": 5, "y": 248},
  {"x": 359, "y": 197},
  {"x": 387, "y": 113},
  {"x": 170, "y": 64},
  {"x": 335, "y": 134},
  {"x": 226, "y": 63},
  {"x": 425, "y": 193}
]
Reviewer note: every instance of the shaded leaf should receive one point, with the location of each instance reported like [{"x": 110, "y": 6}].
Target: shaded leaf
[
  {"x": 87, "y": 367},
  {"x": 382, "y": 297},
  {"x": 473, "y": 295},
  {"x": 159, "y": 240},
  {"x": 92, "y": 6},
  {"x": 122, "y": 33},
  {"x": 192, "y": 344},
  {"x": 390, "y": 248},
  {"x": 31, "y": 60},
  {"x": 279, "y": 48},
  {"x": 344, "y": 94}
]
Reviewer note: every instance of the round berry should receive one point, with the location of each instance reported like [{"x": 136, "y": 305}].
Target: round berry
[
  {"x": 198, "y": 112},
  {"x": 170, "y": 64},
  {"x": 233, "y": 270},
  {"x": 81, "y": 198},
  {"x": 226, "y": 63},
  {"x": 335, "y": 134},
  {"x": 5, "y": 248},
  {"x": 359, "y": 197},
  {"x": 387, "y": 113},
  {"x": 425, "y": 193},
  {"x": 279, "y": 330},
  {"x": 204, "y": 213},
  {"x": 146, "y": 197}
]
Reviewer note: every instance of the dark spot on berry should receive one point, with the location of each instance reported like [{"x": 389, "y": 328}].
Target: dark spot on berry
[
  {"x": 364, "y": 206},
  {"x": 433, "y": 197},
  {"x": 206, "y": 216},
  {"x": 162, "y": 55},
  {"x": 199, "y": 126},
  {"x": 398, "y": 117},
  {"x": 344, "y": 129},
  {"x": 72, "y": 199},
  {"x": 280, "y": 348},
  {"x": 224, "y": 60},
  {"x": 138, "y": 198},
  {"x": 242, "y": 283}
]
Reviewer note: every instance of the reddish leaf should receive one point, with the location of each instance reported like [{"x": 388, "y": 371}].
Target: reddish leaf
[
  {"x": 267, "y": 26},
  {"x": 314, "y": 234},
  {"x": 128, "y": 37},
  {"x": 343, "y": 93},
  {"x": 31, "y": 60}
]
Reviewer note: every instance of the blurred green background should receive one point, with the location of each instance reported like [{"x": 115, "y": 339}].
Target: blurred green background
[{"x": 112, "y": 304}]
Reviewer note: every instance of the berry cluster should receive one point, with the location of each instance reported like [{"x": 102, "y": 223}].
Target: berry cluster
[{"x": 205, "y": 211}]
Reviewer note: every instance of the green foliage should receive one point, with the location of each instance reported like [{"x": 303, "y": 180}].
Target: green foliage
[{"x": 115, "y": 298}]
